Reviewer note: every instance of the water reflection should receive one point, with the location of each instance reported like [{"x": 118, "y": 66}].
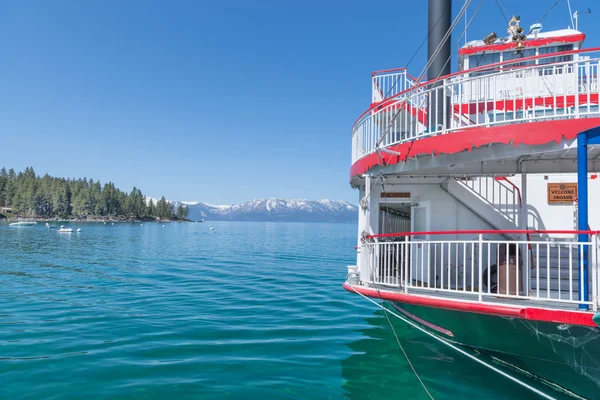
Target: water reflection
[{"x": 377, "y": 368}]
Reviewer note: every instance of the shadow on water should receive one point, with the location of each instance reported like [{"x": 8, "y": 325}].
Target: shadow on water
[{"x": 378, "y": 369}]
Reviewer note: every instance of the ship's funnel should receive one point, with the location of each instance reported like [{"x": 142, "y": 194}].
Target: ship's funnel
[{"x": 439, "y": 21}]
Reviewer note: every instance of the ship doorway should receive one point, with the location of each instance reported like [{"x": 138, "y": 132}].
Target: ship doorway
[
  {"x": 394, "y": 218},
  {"x": 392, "y": 256},
  {"x": 400, "y": 262}
]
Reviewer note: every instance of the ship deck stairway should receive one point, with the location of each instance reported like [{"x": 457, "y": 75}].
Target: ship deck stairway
[{"x": 552, "y": 262}]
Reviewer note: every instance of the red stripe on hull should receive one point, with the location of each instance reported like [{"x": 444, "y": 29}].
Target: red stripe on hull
[
  {"x": 532, "y": 133},
  {"x": 527, "y": 43},
  {"x": 527, "y": 313}
]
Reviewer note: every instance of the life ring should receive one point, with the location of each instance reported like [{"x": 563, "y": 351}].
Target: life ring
[{"x": 493, "y": 278}]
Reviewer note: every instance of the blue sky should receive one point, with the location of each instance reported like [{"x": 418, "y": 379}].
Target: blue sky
[{"x": 216, "y": 101}]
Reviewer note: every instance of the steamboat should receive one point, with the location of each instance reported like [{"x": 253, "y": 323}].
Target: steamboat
[{"x": 479, "y": 194}]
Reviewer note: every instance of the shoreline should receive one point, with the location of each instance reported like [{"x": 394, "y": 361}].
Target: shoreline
[{"x": 97, "y": 220}]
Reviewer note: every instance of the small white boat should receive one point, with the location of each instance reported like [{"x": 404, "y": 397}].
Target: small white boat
[
  {"x": 23, "y": 223},
  {"x": 78, "y": 229},
  {"x": 64, "y": 230}
]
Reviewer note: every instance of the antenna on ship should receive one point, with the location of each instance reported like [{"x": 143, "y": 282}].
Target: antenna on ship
[
  {"x": 466, "y": 25},
  {"x": 576, "y": 17}
]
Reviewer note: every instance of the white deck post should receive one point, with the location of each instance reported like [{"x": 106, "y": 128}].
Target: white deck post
[
  {"x": 525, "y": 272},
  {"x": 594, "y": 244},
  {"x": 407, "y": 267},
  {"x": 364, "y": 225},
  {"x": 480, "y": 272}
]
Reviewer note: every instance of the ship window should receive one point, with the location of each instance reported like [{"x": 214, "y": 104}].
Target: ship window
[
  {"x": 479, "y": 60},
  {"x": 551, "y": 70},
  {"x": 556, "y": 49},
  {"x": 513, "y": 55}
]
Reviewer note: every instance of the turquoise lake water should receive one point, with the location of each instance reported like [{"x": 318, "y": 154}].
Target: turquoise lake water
[{"x": 250, "y": 310}]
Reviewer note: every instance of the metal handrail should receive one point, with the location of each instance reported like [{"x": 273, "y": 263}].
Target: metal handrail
[
  {"x": 507, "y": 91},
  {"x": 486, "y": 232},
  {"x": 483, "y": 268},
  {"x": 518, "y": 190}
]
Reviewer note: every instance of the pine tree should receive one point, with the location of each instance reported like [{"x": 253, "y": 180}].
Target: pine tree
[
  {"x": 151, "y": 212},
  {"x": 47, "y": 196}
]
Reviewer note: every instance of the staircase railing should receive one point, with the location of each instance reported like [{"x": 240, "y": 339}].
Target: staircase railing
[
  {"x": 502, "y": 197},
  {"x": 525, "y": 225},
  {"x": 510, "y": 210}
]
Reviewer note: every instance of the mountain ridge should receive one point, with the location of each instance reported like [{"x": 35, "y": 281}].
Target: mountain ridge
[{"x": 276, "y": 209}]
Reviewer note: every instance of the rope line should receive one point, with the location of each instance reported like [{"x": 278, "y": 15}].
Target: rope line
[
  {"x": 446, "y": 63},
  {"x": 406, "y": 355},
  {"x": 427, "y": 65},
  {"x": 461, "y": 351},
  {"x": 381, "y": 158},
  {"x": 502, "y": 10},
  {"x": 416, "y": 52},
  {"x": 548, "y": 12}
]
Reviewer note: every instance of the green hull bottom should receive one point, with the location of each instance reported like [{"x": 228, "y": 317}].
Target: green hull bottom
[{"x": 565, "y": 355}]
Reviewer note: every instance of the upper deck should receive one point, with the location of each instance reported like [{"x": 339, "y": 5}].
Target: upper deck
[{"x": 499, "y": 95}]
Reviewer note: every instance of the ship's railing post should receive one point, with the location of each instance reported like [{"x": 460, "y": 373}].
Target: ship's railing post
[
  {"x": 594, "y": 245},
  {"x": 479, "y": 274},
  {"x": 445, "y": 116},
  {"x": 370, "y": 260},
  {"x": 577, "y": 87},
  {"x": 407, "y": 258}
]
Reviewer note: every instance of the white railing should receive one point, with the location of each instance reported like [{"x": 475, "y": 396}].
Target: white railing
[
  {"x": 481, "y": 268},
  {"x": 504, "y": 198},
  {"x": 502, "y": 93},
  {"x": 389, "y": 83}
]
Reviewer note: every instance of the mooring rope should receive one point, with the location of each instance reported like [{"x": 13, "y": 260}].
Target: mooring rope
[
  {"x": 461, "y": 351},
  {"x": 385, "y": 311}
]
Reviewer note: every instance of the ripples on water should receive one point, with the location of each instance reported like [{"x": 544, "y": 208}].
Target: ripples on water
[{"x": 250, "y": 310}]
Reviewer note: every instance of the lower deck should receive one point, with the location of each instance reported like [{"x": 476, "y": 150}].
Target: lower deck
[
  {"x": 488, "y": 273},
  {"x": 461, "y": 296},
  {"x": 524, "y": 308}
]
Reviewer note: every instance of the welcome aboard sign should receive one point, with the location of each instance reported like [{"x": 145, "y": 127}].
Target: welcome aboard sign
[{"x": 562, "y": 193}]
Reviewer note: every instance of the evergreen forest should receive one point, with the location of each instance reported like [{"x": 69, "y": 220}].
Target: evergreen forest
[{"x": 29, "y": 195}]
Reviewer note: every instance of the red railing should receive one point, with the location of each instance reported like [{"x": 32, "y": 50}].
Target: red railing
[
  {"x": 529, "y": 99},
  {"x": 486, "y": 232},
  {"x": 473, "y": 70}
]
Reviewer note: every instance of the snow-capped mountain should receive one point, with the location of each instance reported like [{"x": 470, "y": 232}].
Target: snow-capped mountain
[{"x": 275, "y": 209}]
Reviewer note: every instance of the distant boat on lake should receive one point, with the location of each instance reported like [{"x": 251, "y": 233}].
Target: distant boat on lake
[{"x": 23, "y": 223}]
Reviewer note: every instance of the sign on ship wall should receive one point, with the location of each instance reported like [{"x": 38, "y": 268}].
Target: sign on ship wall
[
  {"x": 396, "y": 195},
  {"x": 562, "y": 193}
]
